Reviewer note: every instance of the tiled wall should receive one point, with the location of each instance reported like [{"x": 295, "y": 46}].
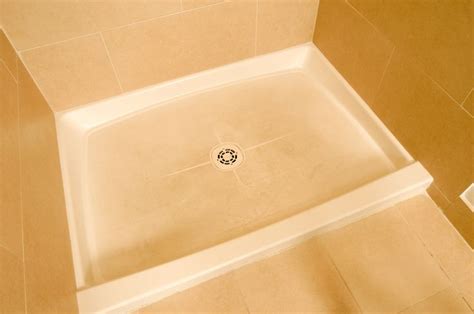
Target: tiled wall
[
  {"x": 82, "y": 51},
  {"x": 36, "y": 273},
  {"x": 412, "y": 62}
]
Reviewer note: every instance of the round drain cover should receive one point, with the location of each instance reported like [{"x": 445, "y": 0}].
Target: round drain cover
[{"x": 227, "y": 156}]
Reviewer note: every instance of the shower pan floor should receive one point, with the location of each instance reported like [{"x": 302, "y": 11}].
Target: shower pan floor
[{"x": 155, "y": 195}]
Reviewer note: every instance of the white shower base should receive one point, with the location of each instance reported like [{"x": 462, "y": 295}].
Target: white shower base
[{"x": 150, "y": 214}]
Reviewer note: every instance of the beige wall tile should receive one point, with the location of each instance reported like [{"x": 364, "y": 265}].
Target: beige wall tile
[
  {"x": 431, "y": 126},
  {"x": 220, "y": 295},
  {"x": 193, "y": 4},
  {"x": 148, "y": 53},
  {"x": 284, "y": 23},
  {"x": 34, "y": 23},
  {"x": 8, "y": 55},
  {"x": 113, "y": 13},
  {"x": 50, "y": 281},
  {"x": 439, "y": 236},
  {"x": 438, "y": 33},
  {"x": 384, "y": 264},
  {"x": 354, "y": 47},
  {"x": 302, "y": 279},
  {"x": 10, "y": 208},
  {"x": 12, "y": 294},
  {"x": 73, "y": 72},
  {"x": 447, "y": 301}
]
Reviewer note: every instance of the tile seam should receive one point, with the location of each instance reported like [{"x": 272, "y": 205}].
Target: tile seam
[
  {"x": 111, "y": 62},
  {"x": 8, "y": 70},
  {"x": 424, "y": 244}
]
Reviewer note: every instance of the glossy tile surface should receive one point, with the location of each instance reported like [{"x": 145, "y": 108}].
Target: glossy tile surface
[
  {"x": 151, "y": 180},
  {"x": 380, "y": 264}
]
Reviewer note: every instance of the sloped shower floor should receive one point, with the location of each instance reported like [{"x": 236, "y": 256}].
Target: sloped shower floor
[{"x": 155, "y": 196}]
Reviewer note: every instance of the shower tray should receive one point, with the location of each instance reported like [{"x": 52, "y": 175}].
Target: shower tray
[{"x": 180, "y": 182}]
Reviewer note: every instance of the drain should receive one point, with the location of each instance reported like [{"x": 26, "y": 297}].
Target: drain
[{"x": 227, "y": 156}]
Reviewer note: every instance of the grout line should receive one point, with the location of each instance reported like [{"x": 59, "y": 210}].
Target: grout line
[
  {"x": 8, "y": 70},
  {"x": 423, "y": 243},
  {"x": 120, "y": 26},
  {"x": 233, "y": 274},
  {"x": 383, "y": 74},
  {"x": 268, "y": 142},
  {"x": 111, "y": 62},
  {"x": 57, "y": 42},
  {"x": 422, "y": 70},
  {"x": 442, "y": 194},
  {"x": 20, "y": 169},
  {"x": 2, "y": 246},
  {"x": 19, "y": 58},
  {"x": 161, "y": 16},
  {"x": 467, "y": 96},
  {"x": 328, "y": 254},
  {"x": 256, "y": 28},
  {"x": 315, "y": 19},
  {"x": 424, "y": 299},
  {"x": 364, "y": 18},
  {"x": 181, "y": 5},
  {"x": 464, "y": 299},
  {"x": 442, "y": 88}
]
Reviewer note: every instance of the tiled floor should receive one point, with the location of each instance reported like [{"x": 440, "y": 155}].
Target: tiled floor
[
  {"x": 150, "y": 177},
  {"x": 407, "y": 258}
]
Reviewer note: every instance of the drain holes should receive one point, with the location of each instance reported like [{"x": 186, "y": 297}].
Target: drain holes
[{"x": 226, "y": 156}]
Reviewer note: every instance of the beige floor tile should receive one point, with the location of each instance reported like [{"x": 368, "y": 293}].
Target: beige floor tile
[
  {"x": 446, "y": 301},
  {"x": 384, "y": 264},
  {"x": 302, "y": 279},
  {"x": 220, "y": 295},
  {"x": 12, "y": 295},
  {"x": 466, "y": 288},
  {"x": 439, "y": 236},
  {"x": 282, "y": 24}
]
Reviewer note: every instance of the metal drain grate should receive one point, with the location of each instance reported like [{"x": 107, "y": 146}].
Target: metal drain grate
[{"x": 227, "y": 156}]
